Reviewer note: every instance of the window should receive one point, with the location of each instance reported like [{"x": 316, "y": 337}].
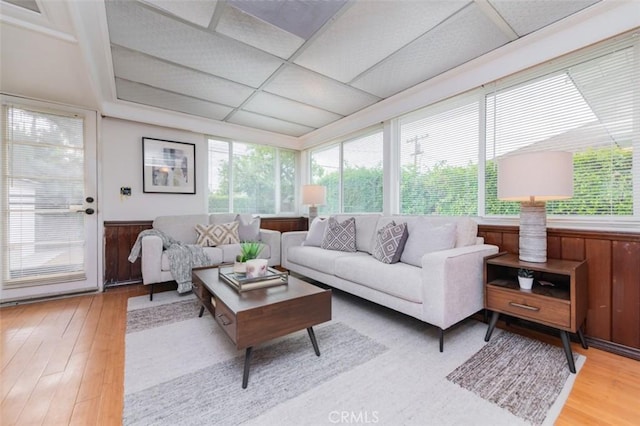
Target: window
[
  {"x": 362, "y": 174},
  {"x": 587, "y": 103},
  {"x": 585, "y": 107},
  {"x": 352, "y": 173},
  {"x": 260, "y": 178},
  {"x": 439, "y": 159},
  {"x": 218, "y": 176},
  {"x": 325, "y": 170}
]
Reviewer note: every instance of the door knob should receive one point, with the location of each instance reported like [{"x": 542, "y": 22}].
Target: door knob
[{"x": 87, "y": 211}]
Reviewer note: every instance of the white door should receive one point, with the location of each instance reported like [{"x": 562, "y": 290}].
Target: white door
[{"x": 49, "y": 202}]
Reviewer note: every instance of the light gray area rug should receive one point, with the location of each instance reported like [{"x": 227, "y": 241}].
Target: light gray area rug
[{"x": 376, "y": 366}]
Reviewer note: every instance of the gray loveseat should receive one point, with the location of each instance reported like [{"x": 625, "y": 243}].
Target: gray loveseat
[
  {"x": 439, "y": 278},
  {"x": 156, "y": 267}
]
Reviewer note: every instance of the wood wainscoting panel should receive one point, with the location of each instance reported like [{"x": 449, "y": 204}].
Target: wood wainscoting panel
[
  {"x": 572, "y": 248},
  {"x": 119, "y": 238},
  {"x": 599, "y": 290},
  {"x": 613, "y": 262},
  {"x": 626, "y": 293},
  {"x": 284, "y": 224},
  {"x": 554, "y": 247}
]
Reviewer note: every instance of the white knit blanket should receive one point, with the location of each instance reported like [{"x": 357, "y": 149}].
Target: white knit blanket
[{"x": 182, "y": 257}]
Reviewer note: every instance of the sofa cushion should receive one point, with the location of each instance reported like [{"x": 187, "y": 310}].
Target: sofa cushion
[
  {"x": 248, "y": 227},
  {"x": 366, "y": 226},
  {"x": 180, "y": 227},
  {"x": 466, "y": 232},
  {"x": 466, "y": 228},
  {"x": 340, "y": 236},
  {"x": 425, "y": 238},
  {"x": 399, "y": 279},
  {"x": 316, "y": 233},
  {"x": 390, "y": 241},
  {"x": 317, "y": 258}
]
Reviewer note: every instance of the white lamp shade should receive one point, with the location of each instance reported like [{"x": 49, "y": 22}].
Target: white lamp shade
[
  {"x": 314, "y": 195},
  {"x": 536, "y": 176}
]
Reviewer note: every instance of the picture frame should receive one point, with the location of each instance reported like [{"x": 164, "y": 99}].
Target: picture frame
[{"x": 169, "y": 167}]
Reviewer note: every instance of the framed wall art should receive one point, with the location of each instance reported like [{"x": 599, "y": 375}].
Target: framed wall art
[{"x": 168, "y": 167}]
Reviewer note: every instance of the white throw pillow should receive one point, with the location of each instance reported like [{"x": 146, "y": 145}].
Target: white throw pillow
[
  {"x": 425, "y": 238},
  {"x": 316, "y": 233},
  {"x": 248, "y": 228}
]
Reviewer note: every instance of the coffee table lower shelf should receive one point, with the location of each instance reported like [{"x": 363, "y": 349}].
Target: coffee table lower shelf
[{"x": 260, "y": 315}]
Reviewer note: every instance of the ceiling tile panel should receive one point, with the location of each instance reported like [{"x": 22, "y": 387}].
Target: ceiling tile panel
[
  {"x": 292, "y": 66},
  {"x": 369, "y": 31},
  {"x": 246, "y": 28},
  {"x": 250, "y": 119},
  {"x": 300, "y": 17},
  {"x": 138, "y": 28},
  {"x": 145, "y": 69},
  {"x": 139, "y": 93},
  {"x": 275, "y": 106},
  {"x": 309, "y": 88},
  {"x": 463, "y": 37},
  {"x": 526, "y": 16},
  {"x": 199, "y": 12}
]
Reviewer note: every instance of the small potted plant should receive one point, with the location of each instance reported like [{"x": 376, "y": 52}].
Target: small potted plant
[
  {"x": 248, "y": 250},
  {"x": 525, "y": 278}
]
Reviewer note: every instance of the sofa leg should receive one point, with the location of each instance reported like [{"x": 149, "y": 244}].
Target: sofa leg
[
  {"x": 151, "y": 292},
  {"x": 441, "y": 340}
]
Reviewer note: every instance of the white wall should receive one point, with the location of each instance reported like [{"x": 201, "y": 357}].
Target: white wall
[{"x": 121, "y": 164}]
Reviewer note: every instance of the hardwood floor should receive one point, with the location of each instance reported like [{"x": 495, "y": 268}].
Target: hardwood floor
[{"x": 63, "y": 363}]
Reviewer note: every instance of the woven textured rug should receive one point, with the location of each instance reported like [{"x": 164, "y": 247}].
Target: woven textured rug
[{"x": 376, "y": 366}]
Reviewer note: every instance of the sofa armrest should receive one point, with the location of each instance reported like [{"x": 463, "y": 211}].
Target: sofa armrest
[
  {"x": 453, "y": 283},
  {"x": 272, "y": 239},
  {"x": 151, "y": 259},
  {"x": 291, "y": 239}
]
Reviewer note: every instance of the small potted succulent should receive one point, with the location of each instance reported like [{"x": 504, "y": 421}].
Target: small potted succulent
[
  {"x": 525, "y": 278},
  {"x": 248, "y": 250}
]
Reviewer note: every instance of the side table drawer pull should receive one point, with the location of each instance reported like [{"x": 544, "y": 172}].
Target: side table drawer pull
[
  {"x": 224, "y": 319},
  {"x": 520, "y": 305}
]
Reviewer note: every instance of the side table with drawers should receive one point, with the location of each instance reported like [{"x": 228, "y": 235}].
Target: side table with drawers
[{"x": 558, "y": 298}]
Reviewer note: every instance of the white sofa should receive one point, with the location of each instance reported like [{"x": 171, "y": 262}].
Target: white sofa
[
  {"x": 155, "y": 261},
  {"x": 444, "y": 287}
]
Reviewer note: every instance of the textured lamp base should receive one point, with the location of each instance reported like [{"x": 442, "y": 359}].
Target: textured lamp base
[
  {"x": 533, "y": 232},
  {"x": 313, "y": 213}
]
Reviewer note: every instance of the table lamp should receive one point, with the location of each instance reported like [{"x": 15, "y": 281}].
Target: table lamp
[
  {"x": 313, "y": 196},
  {"x": 533, "y": 179}
]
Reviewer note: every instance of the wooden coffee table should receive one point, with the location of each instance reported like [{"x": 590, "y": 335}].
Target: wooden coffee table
[{"x": 256, "y": 316}]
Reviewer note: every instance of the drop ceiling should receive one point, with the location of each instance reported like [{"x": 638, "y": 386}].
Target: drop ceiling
[{"x": 294, "y": 66}]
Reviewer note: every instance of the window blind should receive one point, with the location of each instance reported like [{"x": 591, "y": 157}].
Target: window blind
[
  {"x": 586, "y": 104},
  {"x": 260, "y": 177},
  {"x": 43, "y": 183},
  {"x": 362, "y": 174},
  {"x": 325, "y": 170},
  {"x": 439, "y": 148},
  {"x": 287, "y": 175},
  {"x": 351, "y": 171}
]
